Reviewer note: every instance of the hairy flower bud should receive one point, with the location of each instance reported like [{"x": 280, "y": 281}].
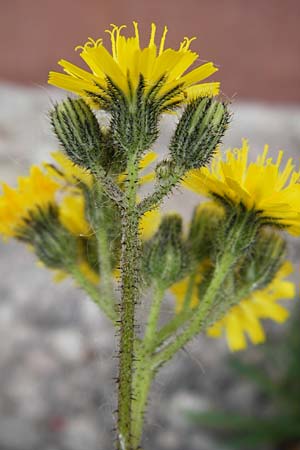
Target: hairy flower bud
[
  {"x": 54, "y": 245},
  {"x": 167, "y": 172},
  {"x": 134, "y": 123},
  {"x": 165, "y": 256},
  {"x": 79, "y": 132},
  {"x": 204, "y": 226},
  {"x": 198, "y": 132},
  {"x": 263, "y": 262}
]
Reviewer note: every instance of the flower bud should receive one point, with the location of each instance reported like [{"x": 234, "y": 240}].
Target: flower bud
[
  {"x": 79, "y": 132},
  {"x": 262, "y": 264},
  {"x": 167, "y": 172},
  {"x": 206, "y": 222},
  {"x": 165, "y": 256},
  {"x": 54, "y": 245},
  {"x": 198, "y": 132},
  {"x": 134, "y": 123}
]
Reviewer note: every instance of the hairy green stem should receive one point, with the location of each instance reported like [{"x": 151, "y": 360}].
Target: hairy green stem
[
  {"x": 171, "y": 327},
  {"x": 130, "y": 262},
  {"x": 194, "y": 326},
  {"x": 93, "y": 291},
  {"x": 237, "y": 240},
  {"x": 160, "y": 192},
  {"x": 151, "y": 328},
  {"x": 144, "y": 373}
]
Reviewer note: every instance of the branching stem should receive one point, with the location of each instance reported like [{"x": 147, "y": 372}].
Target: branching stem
[{"x": 195, "y": 325}]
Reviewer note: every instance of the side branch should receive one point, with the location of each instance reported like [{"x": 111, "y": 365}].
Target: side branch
[
  {"x": 154, "y": 199},
  {"x": 110, "y": 187}
]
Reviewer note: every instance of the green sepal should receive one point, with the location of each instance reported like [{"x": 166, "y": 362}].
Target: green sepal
[
  {"x": 134, "y": 121},
  {"x": 135, "y": 115}
]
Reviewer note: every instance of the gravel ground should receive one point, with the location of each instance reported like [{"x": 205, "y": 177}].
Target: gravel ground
[{"x": 57, "y": 354}]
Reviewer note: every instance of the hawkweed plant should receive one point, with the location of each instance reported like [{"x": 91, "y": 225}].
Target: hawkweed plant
[{"x": 84, "y": 216}]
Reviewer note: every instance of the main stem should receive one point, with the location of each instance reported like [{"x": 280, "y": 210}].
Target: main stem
[{"x": 130, "y": 261}]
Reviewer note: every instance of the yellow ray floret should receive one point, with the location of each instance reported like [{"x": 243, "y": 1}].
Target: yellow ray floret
[
  {"x": 128, "y": 60},
  {"x": 186, "y": 290},
  {"x": 72, "y": 214},
  {"x": 263, "y": 185},
  {"x": 65, "y": 171},
  {"x": 244, "y": 318},
  {"x": 149, "y": 224}
]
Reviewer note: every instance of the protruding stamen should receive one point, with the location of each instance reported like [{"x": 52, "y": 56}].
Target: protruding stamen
[
  {"x": 162, "y": 41},
  {"x": 185, "y": 44},
  {"x": 279, "y": 158},
  {"x": 152, "y": 36},
  {"x": 137, "y": 36},
  {"x": 89, "y": 44}
]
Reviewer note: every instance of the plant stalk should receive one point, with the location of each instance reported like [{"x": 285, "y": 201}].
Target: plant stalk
[{"x": 130, "y": 266}]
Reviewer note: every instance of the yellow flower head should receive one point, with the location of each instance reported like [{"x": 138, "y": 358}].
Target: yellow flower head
[
  {"x": 72, "y": 203},
  {"x": 244, "y": 318},
  {"x": 127, "y": 62},
  {"x": 56, "y": 185},
  {"x": 262, "y": 186},
  {"x": 36, "y": 190}
]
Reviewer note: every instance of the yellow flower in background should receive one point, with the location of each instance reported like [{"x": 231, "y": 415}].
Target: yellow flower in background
[
  {"x": 149, "y": 224},
  {"x": 72, "y": 214},
  {"x": 263, "y": 185},
  {"x": 72, "y": 202},
  {"x": 56, "y": 185},
  {"x": 188, "y": 286},
  {"x": 36, "y": 190},
  {"x": 65, "y": 171},
  {"x": 179, "y": 290},
  {"x": 244, "y": 318},
  {"x": 127, "y": 61}
]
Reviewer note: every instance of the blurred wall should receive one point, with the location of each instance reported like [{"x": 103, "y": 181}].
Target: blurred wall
[{"x": 255, "y": 43}]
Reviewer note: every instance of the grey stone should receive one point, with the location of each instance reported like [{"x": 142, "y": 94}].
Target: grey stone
[
  {"x": 17, "y": 433},
  {"x": 81, "y": 433}
]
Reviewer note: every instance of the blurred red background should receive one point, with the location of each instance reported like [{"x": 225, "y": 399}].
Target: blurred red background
[{"x": 255, "y": 43}]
